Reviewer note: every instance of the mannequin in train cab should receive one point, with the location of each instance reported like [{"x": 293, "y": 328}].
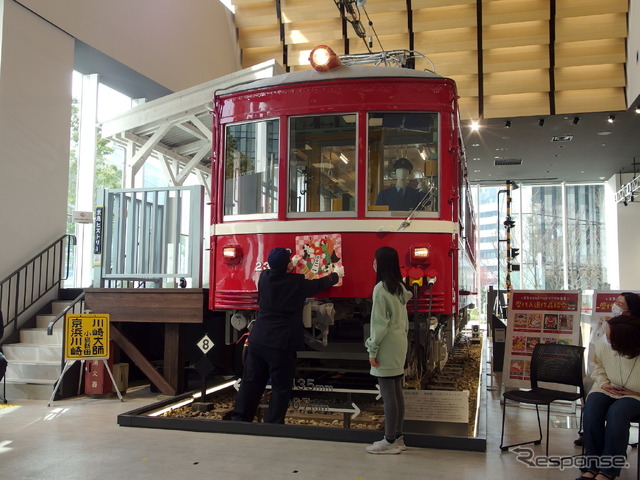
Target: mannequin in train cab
[{"x": 402, "y": 195}]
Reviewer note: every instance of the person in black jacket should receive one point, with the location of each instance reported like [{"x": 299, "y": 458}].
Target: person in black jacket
[{"x": 277, "y": 334}]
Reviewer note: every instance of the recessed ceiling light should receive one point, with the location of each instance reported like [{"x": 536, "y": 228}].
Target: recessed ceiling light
[
  {"x": 601, "y": 178},
  {"x": 475, "y": 144},
  {"x": 605, "y": 132},
  {"x": 476, "y": 158}
]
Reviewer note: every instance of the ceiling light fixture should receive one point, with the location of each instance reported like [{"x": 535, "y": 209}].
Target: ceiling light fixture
[
  {"x": 541, "y": 122},
  {"x": 638, "y": 108},
  {"x": 475, "y": 125},
  {"x": 576, "y": 120},
  {"x": 344, "y": 158},
  {"x": 611, "y": 119}
]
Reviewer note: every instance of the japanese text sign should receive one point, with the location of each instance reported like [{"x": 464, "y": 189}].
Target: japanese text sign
[{"x": 86, "y": 336}]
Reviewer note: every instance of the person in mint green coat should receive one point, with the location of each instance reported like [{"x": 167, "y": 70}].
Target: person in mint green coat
[{"x": 387, "y": 346}]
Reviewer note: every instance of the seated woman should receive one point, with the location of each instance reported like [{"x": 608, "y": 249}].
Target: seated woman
[
  {"x": 614, "y": 400},
  {"x": 627, "y": 303}
]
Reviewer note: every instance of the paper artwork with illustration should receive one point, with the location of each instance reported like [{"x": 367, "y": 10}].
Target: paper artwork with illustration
[{"x": 319, "y": 253}]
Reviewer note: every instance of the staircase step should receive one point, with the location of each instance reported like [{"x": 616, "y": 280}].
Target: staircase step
[
  {"x": 39, "y": 336},
  {"x": 58, "y": 305},
  {"x": 29, "y": 352},
  {"x": 22, "y": 371},
  {"x": 42, "y": 321},
  {"x": 33, "y": 390}
]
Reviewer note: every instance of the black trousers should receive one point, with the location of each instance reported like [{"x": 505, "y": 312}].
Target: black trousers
[
  {"x": 262, "y": 363},
  {"x": 3, "y": 365}
]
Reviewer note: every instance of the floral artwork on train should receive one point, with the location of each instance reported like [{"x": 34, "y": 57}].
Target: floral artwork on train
[{"x": 319, "y": 254}]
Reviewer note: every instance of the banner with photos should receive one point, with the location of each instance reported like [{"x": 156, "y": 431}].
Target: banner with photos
[{"x": 537, "y": 316}]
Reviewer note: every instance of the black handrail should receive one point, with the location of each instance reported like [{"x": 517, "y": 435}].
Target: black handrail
[
  {"x": 20, "y": 290},
  {"x": 71, "y": 306}
]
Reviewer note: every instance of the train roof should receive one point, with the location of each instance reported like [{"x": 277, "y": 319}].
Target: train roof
[{"x": 341, "y": 72}]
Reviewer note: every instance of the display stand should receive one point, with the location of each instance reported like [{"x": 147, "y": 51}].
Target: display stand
[
  {"x": 86, "y": 337},
  {"x": 67, "y": 366},
  {"x": 537, "y": 316}
]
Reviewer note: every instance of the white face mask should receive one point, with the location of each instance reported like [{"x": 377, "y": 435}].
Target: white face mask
[
  {"x": 616, "y": 310},
  {"x": 402, "y": 173}
]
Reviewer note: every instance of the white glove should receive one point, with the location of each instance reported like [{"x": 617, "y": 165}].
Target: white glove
[
  {"x": 339, "y": 271},
  {"x": 295, "y": 259}
]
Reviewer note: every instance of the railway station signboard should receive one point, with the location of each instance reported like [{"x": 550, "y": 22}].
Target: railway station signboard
[{"x": 86, "y": 336}]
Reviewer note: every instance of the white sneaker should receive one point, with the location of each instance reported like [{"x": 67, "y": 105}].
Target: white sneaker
[
  {"x": 383, "y": 447},
  {"x": 400, "y": 442}
]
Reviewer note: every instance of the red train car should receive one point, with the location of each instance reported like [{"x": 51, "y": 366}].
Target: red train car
[{"x": 334, "y": 164}]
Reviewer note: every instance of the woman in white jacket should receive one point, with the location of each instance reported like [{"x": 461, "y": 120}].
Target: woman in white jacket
[
  {"x": 387, "y": 346},
  {"x": 614, "y": 400}
]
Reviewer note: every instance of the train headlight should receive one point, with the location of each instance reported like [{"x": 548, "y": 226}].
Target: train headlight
[
  {"x": 323, "y": 59},
  {"x": 419, "y": 254},
  {"x": 232, "y": 254}
]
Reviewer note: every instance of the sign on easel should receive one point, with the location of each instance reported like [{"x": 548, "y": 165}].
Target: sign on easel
[
  {"x": 537, "y": 316},
  {"x": 86, "y": 338}
]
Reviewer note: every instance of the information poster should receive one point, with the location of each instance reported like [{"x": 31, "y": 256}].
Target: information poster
[
  {"x": 86, "y": 336},
  {"x": 537, "y": 316}
]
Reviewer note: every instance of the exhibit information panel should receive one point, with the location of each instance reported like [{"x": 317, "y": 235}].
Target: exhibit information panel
[{"x": 537, "y": 316}]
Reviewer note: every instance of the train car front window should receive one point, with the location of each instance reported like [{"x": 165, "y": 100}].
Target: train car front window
[
  {"x": 251, "y": 168},
  {"x": 403, "y": 162},
  {"x": 322, "y": 164}
]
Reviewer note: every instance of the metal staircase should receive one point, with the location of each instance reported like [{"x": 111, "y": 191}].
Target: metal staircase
[
  {"x": 34, "y": 357},
  {"x": 34, "y": 362}
]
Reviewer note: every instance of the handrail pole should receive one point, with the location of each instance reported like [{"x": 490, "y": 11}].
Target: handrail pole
[
  {"x": 63, "y": 313},
  {"x": 41, "y": 268}
]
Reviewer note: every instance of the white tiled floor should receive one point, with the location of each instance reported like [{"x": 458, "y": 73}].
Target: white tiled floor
[{"x": 79, "y": 438}]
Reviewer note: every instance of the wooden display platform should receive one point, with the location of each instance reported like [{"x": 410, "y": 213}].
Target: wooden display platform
[{"x": 169, "y": 306}]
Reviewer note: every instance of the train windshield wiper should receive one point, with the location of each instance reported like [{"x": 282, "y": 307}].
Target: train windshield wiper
[{"x": 423, "y": 203}]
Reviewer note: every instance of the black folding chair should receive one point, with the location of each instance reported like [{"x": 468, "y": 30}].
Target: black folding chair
[{"x": 551, "y": 363}]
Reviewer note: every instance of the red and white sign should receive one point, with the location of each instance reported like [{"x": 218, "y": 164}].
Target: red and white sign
[{"x": 537, "y": 316}]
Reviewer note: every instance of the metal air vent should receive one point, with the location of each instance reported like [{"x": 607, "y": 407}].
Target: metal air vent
[{"x": 507, "y": 161}]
